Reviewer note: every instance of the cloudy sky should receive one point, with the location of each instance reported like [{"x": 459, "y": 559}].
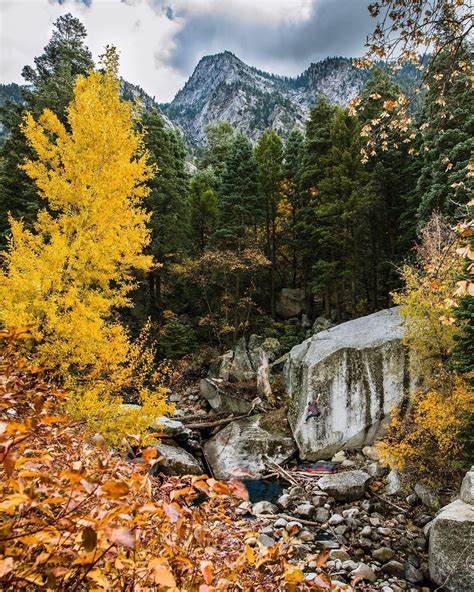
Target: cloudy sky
[{"x": 161, "y": 41}]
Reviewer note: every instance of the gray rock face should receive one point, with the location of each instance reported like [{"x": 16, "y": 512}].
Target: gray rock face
[
  {"x": 220, "y": 368},
  {"x": 291, "y": 302},
  {"x": 428, "y": 496},
  {"x": 450, "y": 558},
  {"x": 347, "y": 486},
  {"x": 241, "y": 367},
  {"x": 176, "y": 461},
  {"x": 240, "y": 449},
  {"x": 223, "y": 400},
  {"x": 359, "y": 370},
  {"x": 467, "y": 487}
]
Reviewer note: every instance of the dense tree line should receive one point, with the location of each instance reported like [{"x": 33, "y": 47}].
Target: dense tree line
[{"x": 306, "y": 213}]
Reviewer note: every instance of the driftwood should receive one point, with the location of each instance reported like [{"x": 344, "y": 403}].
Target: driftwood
[
  {"x": 386, "y": 501},
  {"x": 287, "y": 476},
  {"x": 212, "y": 424},
  {"x": 223, "y": 421}
]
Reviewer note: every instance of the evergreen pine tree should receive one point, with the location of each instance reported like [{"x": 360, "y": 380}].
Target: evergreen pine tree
[
  {"x": 390, "y": 232},
  {"x": 269, "y": 158},
  {"x": 219, "y": 141},
  {"x": 341, "y": 201},
  {"x": 240, "y": 206},
  {"x": 316, "y": 149},
  {"x": 203, "y": 205},
  {"x": 291, "y": 187},
  {"x": 167, "y": 201},
  {"x": 448, "y": 130},
  {"x": 51, "y": 86}
]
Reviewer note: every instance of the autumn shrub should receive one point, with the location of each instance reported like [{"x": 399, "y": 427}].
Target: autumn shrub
[
  {"x": 75, "y": 517},
  {"x": 427, "y": 300},
  {"x": 430, "y": 437},
  {"x": 426, "y": 441},
  {"x": 66, "y": 278}
]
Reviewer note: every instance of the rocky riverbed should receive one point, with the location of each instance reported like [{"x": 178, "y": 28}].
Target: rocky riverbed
[{"x": 379, "y": 540}]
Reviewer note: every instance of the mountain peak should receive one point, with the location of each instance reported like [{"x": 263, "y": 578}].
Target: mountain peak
[{"x": 224, "y": 88}]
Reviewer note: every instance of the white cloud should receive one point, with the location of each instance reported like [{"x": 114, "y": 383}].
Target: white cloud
[
  {"x": 271, "y": 12},
  {"x": 143, "y": 37}
]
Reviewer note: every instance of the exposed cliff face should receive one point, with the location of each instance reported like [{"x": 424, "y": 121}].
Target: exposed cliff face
[
  {"x": 223, "y": 88},
  {"x": 359, "y": 370}
]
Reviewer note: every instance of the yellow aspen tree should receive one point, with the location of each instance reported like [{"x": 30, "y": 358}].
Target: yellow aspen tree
[{"x": 66, "y": 278}]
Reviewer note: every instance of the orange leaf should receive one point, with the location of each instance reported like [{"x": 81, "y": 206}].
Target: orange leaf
[
  {"x": 323, "y": 581},
  {"x": 50, "y": 419},
  {"x": 322, "y": 557},
  {"x": 9, "y": 462},
  {"x": 115, "y": 488},
  {"x": 11, "y": 503},
  {"x": 250, "y": 555},
  {"x": 149, "y": 453},
  {"x": 207, "y": 571}
]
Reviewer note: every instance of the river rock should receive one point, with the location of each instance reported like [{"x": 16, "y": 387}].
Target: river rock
[
  {"x": 394, "y": 568},
  {"x": 428, "y": 496},
  {"x": 175, "y": 461},
  {"x": 222, "y": 399},
  {"x": 264, "y": 507},
  {"x": 393, "y": 483},
  {"x": 173, "y": 427},
  {"x": 291, "y": 302},
  {"x": 383, "y": 554},
  {"x": 450, "y": 536},
  {"x": 347, "y": 486},
  {"x": 241, "y": 448},
  {"x": 359, "y": 370},
  {"x": 364, "y": 572}
]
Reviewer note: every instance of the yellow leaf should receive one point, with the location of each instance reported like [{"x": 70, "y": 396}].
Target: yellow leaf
[
  {"x": 99, "y": 578},
  {"x": 11, "y": 503},
  {"x": 161, "y": 574}
]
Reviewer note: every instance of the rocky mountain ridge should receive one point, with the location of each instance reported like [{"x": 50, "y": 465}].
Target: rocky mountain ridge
[{"x": 224, "y": 88}]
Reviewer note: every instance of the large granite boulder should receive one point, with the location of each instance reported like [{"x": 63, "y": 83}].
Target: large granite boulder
[
  {"x": 355, "y": 372},
  {"x": 451, "y": 556},
  {"x": 241, "y": 448},
  {"x": 291, "y": 303}
]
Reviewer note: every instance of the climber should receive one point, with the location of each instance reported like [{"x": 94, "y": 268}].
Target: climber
[{"x": 313, "y": 410}]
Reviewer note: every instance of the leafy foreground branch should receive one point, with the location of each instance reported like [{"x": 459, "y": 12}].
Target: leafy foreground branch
[{"x": 75, "y": 517}]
